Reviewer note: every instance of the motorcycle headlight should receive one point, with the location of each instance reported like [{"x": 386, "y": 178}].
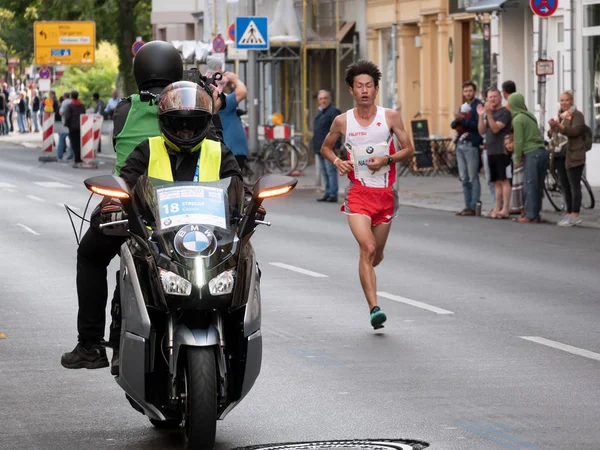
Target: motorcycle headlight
[
  {"x": 222, "y": 283},
  {"x": 173, "y": 284}
]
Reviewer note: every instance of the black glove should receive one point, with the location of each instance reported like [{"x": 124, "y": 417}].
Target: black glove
[
  {"x": 261, "y": 213},
  {"x": 109, "y": 210}
]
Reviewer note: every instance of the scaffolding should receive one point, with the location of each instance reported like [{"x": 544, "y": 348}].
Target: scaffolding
[{"x": 324, "y": 31}]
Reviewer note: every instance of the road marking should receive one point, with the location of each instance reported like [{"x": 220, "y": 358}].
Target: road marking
[
  {"x": 408, "y": 301},
  {"x": 7, "y": 185},
  {"x": 299, "y": 270},
  {"x": 25, "y": 227},
  {"x": 62, "y": 205},
  {"x": 33, "y": 197},
  {"x": 564, "y": 347},
  {"x": 52, "y": 184},
  {"x": 8, "y": 190}
]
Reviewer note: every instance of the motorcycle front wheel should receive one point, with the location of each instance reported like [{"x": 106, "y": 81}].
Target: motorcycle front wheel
[{"x": 199, "y": 393}]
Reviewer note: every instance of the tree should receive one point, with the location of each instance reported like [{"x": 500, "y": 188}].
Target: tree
[{"x": 117, "y": 21}]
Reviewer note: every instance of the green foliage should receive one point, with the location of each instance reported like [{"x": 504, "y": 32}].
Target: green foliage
[{"x": 99, "y": 78}]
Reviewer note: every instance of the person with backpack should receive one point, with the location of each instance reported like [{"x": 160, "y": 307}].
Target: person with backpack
[{"x": 570, "y": 122}]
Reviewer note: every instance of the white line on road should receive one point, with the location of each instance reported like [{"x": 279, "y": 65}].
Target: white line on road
[
  {"x": 33, "y": 197},
  {"x": 408, "y": 301},
  {"x": 26, "y": 228},
  {"x": 52, "y": 184},
  {"x": 299, "y": 270},
  {"x": 564, "y": 347},
  {"x": 8, "y": 190},
  {"x": 7, "y": 185}
]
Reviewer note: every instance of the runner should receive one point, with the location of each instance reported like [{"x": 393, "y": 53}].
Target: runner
[{"x": 371, "y": 201}]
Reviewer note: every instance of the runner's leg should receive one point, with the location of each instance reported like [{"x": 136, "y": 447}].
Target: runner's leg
[
  {"x": 361, "y": 229},
  {"x": 381, "y": 233}
]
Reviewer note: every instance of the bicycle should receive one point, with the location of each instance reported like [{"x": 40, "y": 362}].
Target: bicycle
[{"x": 555, "y": 193}]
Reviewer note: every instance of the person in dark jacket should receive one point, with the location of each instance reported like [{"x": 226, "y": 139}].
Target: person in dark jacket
[
  {"x": 327, "y": 113},
  {"x": 72, "y": 122},
  {"x": 467, "y": 151}
]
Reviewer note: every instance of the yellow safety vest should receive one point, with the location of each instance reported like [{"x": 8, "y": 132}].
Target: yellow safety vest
[{"x": 159, "y": 165}]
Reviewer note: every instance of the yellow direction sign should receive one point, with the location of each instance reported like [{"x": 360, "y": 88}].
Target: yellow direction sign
[{"x": 71, "y": 43}]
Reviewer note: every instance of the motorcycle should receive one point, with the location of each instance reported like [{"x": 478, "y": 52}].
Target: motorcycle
[{"x": 191, "y": 344}]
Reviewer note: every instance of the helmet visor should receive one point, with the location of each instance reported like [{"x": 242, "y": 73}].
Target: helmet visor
[{"x": 185, "y": 97}]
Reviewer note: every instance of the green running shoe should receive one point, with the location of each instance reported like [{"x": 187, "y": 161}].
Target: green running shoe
[{"x": 377, "y": 318}]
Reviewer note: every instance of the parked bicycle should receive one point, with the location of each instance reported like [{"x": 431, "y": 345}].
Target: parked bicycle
[{"x": 555, "y": 192}]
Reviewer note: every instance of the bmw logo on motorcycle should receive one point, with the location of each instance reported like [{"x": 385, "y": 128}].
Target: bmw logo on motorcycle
[{"x": 195, "y": 240}]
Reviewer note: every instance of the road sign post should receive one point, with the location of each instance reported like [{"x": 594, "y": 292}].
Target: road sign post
[{"x": 64, "y": 43}]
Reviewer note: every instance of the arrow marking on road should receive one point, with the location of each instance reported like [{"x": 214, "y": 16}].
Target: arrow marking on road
[
  {"x": 415, "y": 303},
  {"x": 26, "y": 228},
  {"x": 299, "y": 270},
  {"x": 564, "y": 347}
]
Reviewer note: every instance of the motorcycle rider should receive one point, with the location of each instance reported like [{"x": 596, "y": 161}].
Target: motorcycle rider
[{"x": 156, "y": 65}]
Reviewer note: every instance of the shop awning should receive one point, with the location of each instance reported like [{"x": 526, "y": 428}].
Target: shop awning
[{"x": 486, "y": 6}]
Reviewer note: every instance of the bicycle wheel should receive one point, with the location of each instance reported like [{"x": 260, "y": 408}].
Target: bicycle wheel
[
  {"x": 281, "y": 157},
  {"x": 587, "y": 196},
  {"x": 268, "y": 158},
  {"x": 301, "y": 155},
  {"x": 554, "y": 192}
]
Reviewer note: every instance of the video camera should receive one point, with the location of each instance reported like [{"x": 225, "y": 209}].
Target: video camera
[{"x": 192, "y": 75}]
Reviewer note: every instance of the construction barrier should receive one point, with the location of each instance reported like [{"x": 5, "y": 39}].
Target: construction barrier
[
  {"x": 97, "y": 128},
  {"x": 88, "y": 153},
  {"x": 48, "y": 138}
]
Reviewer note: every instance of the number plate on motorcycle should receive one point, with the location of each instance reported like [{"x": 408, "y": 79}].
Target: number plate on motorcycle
[{"x": 184, "y": 205}]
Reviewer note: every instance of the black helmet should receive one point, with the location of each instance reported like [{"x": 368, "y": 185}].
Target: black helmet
[
  {"x": 184, "y": 115},
  {"x": 156, "y": 65}
]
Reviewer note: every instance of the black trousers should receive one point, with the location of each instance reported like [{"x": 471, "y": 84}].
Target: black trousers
[
  {"x": 94, "y": 254},
  {"x": 570, "y": 179},
  {"x": 75, "y": 138}
]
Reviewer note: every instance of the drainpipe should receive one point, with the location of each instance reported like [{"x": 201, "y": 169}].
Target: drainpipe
[{"x": 573, "y": 83}]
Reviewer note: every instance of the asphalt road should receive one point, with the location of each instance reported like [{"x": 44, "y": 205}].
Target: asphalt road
[{"x": 492, "y": 339}]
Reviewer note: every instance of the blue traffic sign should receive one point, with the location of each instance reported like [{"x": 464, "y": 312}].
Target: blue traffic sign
[
  {"x": 252, "y": 33},
  {"x": 44, "y": 74},
  {"x": 60, "y": 52}
]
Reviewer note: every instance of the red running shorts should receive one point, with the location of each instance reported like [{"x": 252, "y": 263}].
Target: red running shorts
[{"x": 379, "y": 204}]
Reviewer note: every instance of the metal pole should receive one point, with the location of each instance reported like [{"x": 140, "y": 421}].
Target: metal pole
[
  {"x": 252, "y": 90},
  {"x": 541, "y": 79},
  {"x": 395, "y": 68}
]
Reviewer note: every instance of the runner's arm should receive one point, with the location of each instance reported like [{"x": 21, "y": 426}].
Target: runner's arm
[
  {"x": 335, "y": 133},
  {"x": 407, "y": 150}
]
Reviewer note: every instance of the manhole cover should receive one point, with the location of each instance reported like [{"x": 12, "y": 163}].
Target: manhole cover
[{"x": 361, "y": 444}]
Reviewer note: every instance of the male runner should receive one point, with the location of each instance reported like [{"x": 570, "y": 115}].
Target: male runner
[{"x": 371, "y": 201}]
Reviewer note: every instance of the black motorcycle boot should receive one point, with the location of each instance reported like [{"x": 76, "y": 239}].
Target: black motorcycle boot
[
  {"x": 81, "y": 357},
  {"x": 114, "y": 362}
]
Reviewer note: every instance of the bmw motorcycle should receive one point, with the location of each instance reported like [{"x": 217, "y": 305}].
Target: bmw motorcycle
[{"x": 191, "y": 345}]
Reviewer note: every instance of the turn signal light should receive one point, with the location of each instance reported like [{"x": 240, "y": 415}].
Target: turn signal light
[
  {"x": 274, "y": 192},
  {"x": 109, "y": 192}
]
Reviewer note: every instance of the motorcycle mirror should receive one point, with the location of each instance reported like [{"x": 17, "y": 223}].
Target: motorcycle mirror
[
  {"x": 108, "y": 186},
  {"x": 273, "y": 186}
]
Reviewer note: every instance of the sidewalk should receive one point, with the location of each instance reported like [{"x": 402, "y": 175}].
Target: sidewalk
[
  {"x": 444, "y": 193},
  {"x": 441, "y": 192}
]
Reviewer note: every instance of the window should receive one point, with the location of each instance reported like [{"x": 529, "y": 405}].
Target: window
[
  {"x": 592, "y": 84},
  {"x": 591, "y": 16},
  {"x": 190, "y": 32},
  {"x": 560, "y": 31}
]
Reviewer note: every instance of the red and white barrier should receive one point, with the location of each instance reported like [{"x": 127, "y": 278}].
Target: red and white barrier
[
  {"x": 88, "y": 153},
  {"x": 48, "y": 138},
  {"x": 48, "y": 133},
  {"x": 97, "y": 128}
]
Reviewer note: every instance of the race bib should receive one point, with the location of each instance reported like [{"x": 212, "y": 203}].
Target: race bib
[
  {"x": 361, "y": 154},
  {"x": 184, "y": 205}
]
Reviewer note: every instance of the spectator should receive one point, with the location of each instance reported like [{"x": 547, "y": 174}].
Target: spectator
[
  {"x": 64, "y": 130},
  {"x": 72, "y": 121},
  {"x": 508, "y": 87},
  {"x": 570, "y": 123},
  {"x": 98, "y": 109},
  {"x": 495, "y": 124},
  {"x": 234, "y": 134},
  {"x": 112, "y": 104},
  {"x": 323, "y": 120},
  {"x": 529, "y": 144},
  {"x": 21, "y": 107},
  {"x": 467, "y": 152},
  {"x": 35, "y": 110}
]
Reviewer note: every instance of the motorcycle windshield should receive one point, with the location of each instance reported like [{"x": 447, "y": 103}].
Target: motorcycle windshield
[{"x": 192, "y": 221}]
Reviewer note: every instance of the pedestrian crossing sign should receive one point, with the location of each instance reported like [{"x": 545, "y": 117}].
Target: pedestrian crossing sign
[{"x": 252, "y": 33}]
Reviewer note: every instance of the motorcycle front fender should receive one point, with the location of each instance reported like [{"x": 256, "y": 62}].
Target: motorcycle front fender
[{"x": 192, "y": 337}]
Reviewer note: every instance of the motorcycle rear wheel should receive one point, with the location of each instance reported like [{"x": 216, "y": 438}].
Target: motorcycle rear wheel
[{"x": 200, "y": 400}]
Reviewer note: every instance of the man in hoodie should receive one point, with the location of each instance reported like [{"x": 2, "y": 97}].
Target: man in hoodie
[
  {"x": 529, "y": 145},
  {"x": 467, "y": 151}
]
